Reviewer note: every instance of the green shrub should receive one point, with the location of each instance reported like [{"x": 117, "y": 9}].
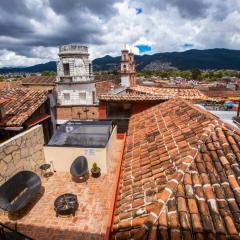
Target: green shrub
[{"x": 95, "y": 167}]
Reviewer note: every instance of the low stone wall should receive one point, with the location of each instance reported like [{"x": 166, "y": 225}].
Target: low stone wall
[{"x": 22, "y": 152}]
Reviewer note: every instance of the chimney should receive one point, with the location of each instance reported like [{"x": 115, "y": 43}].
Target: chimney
[{"x": 2, "y": 110}]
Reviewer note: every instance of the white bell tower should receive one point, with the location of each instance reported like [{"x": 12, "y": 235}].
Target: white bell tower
[
  {"x": 75, "y": 83},
  {"x": 128, "y": 72}
]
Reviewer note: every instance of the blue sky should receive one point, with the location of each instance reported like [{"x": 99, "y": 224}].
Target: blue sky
[
  {"x": 187, "y": 45},
  {"x": 139, "y": 10},
  {"x": 143, "y": 48}
]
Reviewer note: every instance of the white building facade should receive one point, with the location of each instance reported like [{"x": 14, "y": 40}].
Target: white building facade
[{"x": 74, "y": 83}]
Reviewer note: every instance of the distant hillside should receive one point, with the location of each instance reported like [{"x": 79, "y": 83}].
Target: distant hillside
[
  {"x": 201, "y": 59},
  {"x": 50, "y": 66}
]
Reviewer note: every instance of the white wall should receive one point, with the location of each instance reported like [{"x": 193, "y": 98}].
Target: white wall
[
  {"x": 111, "y": 146},
  {"x": 78, "y": 72},
  {"x": 63, "y": 157},
  {"x": 125, "y": 81},
  {"x": 74, "y": 90}
]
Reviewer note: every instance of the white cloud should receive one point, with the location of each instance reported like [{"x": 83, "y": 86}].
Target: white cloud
[
  {"x": 165, "y": 25},
  {"x": 11, "y": 59}
]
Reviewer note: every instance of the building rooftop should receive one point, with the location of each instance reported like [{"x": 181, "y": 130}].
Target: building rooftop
[
  {"x": 180, "y": 176},
  {"x": 20, "y": 104},
  {"x": 143, "y": 93},
  {"x": 130, "y": 97},
  {"x": 91, "y": 220},
  {"x": 8, "y": 84},
  {"x": 222, "y": 94},
  {"x": 39, "y": 80},
  {"x": 104, "y": 86},
  {"x": 168, "y": 93}
]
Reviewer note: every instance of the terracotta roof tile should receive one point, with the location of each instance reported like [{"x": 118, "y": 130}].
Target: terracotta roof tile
[
  {"x": 180, "y": 176},
  {"x": 20, "y": 104},
  {"x": 8, "y": 84},
  {"x": 222, "y": 94},
  {"x": 141, "y": 93},
  {"x": 168, "y": 93},
  {"x": 129, "y": 97},
  {"x": 39, "y": 80}
]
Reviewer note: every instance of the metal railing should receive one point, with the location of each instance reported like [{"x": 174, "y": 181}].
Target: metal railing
[{"x": 7, "y": 233}]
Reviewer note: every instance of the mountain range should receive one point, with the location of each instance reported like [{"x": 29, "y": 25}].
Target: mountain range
[{"x": 202, "y": 59}]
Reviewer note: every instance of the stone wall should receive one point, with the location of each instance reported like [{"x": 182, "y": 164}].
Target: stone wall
[{"x": 22, "y": 152}]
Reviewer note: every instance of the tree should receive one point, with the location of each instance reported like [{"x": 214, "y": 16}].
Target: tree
[
  {"x": 48, "y": 73},
  {"x": 196, "y": 74}
]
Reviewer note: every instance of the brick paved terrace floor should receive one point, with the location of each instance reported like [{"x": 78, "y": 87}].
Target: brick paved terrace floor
[{"x": 95, "y": 197}]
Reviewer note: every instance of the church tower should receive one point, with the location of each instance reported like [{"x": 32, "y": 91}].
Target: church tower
[
  {"x": 128, "y": 72},
  {"x": 74, "y": 83}
]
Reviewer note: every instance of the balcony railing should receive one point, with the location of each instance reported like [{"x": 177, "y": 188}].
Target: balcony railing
[{"x": 7, "y": 233}]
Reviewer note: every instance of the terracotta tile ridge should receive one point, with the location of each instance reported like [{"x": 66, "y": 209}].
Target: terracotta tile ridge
[
  {"x": 227, "y": 126},
  {"x": 200, "y": 110},
  {"x": 171, "y": 187},
  {"x": 216, "y": 120},
  {"x": 165, "y": 196}
]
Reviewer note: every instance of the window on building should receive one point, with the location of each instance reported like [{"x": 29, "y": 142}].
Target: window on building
[
  {"x": 90, "y": 68},
  {"x": 82, "y": 97},
  {"x": 119, "y": 110},
  {"x": 66, "y": 96},
  {"x": 93, "y": 97},
  {"x": 66, "y": 69}
]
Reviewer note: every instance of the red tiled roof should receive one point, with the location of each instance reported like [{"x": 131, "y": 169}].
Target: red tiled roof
[
  {"x": 20, "y": 104},
  {"x": 142, "y": 93},
  {"x": 168, "y": 93},
  {"x": 3, "y": 101},
  {"x": 130, "y": 97},
  {"x": 39, "y": 80},
  {"x": 222, "y": 94},
  {"x": 107, "y": 77},
  {"x": 102, "y": 87},
  {"x": 9, "y": 84},
  {"x": 180, "y": 176}
]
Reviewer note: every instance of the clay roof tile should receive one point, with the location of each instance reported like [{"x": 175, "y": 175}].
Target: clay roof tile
[{"x": 188, "y": 173}]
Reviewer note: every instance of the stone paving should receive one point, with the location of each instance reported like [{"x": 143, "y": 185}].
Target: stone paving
[{"x": 95, "y": 197}]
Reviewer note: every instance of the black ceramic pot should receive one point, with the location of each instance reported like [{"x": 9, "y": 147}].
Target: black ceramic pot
[{"x": 96, "y": 173}]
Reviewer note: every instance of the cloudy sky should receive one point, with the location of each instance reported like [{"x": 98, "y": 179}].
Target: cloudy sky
[{"x": 32, "y": 30}]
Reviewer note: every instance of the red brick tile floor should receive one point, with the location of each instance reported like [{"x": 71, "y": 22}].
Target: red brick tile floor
[{"x": 39, "y": 220}]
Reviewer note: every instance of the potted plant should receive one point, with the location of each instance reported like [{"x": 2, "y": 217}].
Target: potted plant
[{"x": 96, "y": 171}]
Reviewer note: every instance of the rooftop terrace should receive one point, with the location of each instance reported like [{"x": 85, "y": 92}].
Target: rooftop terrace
[{"x": 95, "y": 199}]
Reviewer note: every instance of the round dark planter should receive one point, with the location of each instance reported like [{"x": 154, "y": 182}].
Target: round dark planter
[{"x": 96, "y": 173}]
